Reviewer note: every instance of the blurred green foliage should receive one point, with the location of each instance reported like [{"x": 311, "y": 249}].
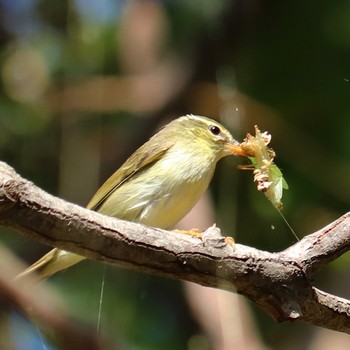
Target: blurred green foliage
[{"x": 286, "y": 68}]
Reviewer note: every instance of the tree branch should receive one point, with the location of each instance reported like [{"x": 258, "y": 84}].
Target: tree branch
[{"x": 280, "y": 283}]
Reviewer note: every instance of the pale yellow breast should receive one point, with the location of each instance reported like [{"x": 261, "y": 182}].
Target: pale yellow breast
[{"x": 162, "y": 194}]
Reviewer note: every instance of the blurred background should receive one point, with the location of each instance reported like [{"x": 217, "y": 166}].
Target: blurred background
[{"x": 84, "y": 83}]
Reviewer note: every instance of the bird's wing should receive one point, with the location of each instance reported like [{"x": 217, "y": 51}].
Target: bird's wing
[{"x": 144, "y": 157}]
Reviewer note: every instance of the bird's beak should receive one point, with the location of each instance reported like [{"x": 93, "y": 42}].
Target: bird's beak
[{"x": 236, "y": 149}]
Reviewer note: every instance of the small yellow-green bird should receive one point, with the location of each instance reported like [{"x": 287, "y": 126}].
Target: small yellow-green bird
[{"x": 160, "y": 182}]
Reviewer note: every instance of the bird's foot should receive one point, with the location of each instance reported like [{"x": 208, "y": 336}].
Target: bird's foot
[
  {"x": 211, "y": 235},
  {"x": 194, "y": 232}
]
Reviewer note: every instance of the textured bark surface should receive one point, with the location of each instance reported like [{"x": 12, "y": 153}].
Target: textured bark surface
[{"x": 280, "y": 283}]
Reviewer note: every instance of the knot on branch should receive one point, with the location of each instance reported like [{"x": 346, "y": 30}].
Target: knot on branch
[
  {"x": 9, "y": 186},
  {"x": 275, "y": 285}
]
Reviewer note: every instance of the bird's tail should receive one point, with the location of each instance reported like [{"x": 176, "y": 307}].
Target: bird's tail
[{"x": 54, "y": 261}]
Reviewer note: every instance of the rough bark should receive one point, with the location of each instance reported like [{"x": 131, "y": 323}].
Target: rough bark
[{"x": 280, "y": 283}]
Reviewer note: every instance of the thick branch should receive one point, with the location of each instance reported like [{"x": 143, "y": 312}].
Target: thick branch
[{"x": 280, "y": 283}]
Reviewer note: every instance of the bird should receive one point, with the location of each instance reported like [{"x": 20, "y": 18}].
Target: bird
[{"x": 158, "y": 184}]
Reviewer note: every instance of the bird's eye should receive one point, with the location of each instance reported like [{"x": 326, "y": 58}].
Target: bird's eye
[{"x": 215, "y": 130}]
